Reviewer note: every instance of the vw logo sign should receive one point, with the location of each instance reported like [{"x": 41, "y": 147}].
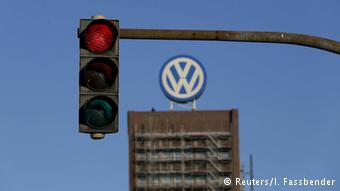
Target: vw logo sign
[{"x": 182, "y": 79}]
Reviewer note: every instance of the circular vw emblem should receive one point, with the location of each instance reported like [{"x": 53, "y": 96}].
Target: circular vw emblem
[{"x": 182, "y": 79}]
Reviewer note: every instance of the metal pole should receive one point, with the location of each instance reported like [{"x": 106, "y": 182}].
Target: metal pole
[
  {"x": 238, "y": 36},
  {"x": 171, "y": 105},
  {"x": 251, "y": 172},
  {"x": 194, "y": 105}
]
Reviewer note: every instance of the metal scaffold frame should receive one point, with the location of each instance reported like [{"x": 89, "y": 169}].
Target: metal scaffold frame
[
  {"x": 186, "y": 151},
  {"x": 189, "y": 142}
]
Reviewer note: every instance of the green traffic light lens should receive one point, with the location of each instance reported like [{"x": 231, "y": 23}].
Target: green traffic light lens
[
  {"x": 100, "y": 74},
  {"x": 100, "y": 112}
]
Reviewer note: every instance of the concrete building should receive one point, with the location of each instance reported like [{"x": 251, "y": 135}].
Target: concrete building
[{"x": 182, "y": 151}]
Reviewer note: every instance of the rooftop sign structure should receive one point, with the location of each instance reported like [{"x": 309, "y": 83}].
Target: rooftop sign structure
[{"x": 182, "y": 79}]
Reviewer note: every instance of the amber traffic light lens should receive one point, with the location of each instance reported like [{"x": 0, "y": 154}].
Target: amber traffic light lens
[
  {"x": 100, "y": 74},
  {"x": 100, "y": 36}
]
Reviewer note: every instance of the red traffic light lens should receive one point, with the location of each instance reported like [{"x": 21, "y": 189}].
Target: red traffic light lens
[
  {"x": 100, "y": 36},
  {"x": 100, "y": 74}
]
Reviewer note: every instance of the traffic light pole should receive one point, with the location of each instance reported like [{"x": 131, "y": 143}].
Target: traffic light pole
[{"x": 237, "y": 36}]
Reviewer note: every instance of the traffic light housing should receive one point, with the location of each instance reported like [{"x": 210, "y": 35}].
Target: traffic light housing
[{"x": 98, "y": 76}]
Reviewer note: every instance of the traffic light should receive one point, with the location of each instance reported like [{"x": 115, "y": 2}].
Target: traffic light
[{"x": 98, "y": 76}]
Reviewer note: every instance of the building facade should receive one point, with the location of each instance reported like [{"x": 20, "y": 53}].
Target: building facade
[{"x": 182, "y": 151}]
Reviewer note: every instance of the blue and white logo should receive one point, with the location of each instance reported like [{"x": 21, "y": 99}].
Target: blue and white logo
[{"x": 182, "y": 79}]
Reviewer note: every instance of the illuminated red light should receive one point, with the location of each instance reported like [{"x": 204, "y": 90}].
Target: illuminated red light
[{"x": 100, "y": 37}]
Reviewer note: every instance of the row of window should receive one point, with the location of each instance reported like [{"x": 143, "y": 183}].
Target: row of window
[
  {"x": 177, "y": 143},
  {"x": 166, "y": 179},
  {"x": 176, "y": 155},
  {"x": 171, "y": 167}
]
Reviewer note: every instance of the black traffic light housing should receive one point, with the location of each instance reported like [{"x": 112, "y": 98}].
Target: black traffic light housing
[{"x": 98, "y": 76}]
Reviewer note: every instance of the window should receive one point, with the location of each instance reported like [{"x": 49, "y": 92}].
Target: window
[
  {"x": 177, "y": 155},
  {"x": 153, "y": 155},
  {"x": 176, "y": 167},
  {"x": 140, "y": 156},
  {"x": 199, "y": 179},
  {"x": 164, "y": 155},
  {"x": 176, "y": 143},
  {"x": 141, "y": 167},
  {"x": 188, "y": 143},
  {"x": 154, "y": 168},
  {"x": 140, "y": 144},
  {"x": 199, "y": 154},
  {"x": 224, "y": 141},
  {"x": 166, "y": 180},
  {"x": 164, "y": 167},
  {"x": 200, "y": 166},
  {"x": 188, "y": 167},
  {"x": 155, "y": 180},
  {"x": 188, "y": 154},
  {"x": 140, "y": 180},
  {"x": 225, "y": 154},
  {"x": 202, "y": 143},
  {"x": 188, "y": 180},
  {"x": 178, "y": 179}
]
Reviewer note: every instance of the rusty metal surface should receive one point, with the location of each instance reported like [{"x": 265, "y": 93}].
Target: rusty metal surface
[{"x": 238, "y": 36}]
